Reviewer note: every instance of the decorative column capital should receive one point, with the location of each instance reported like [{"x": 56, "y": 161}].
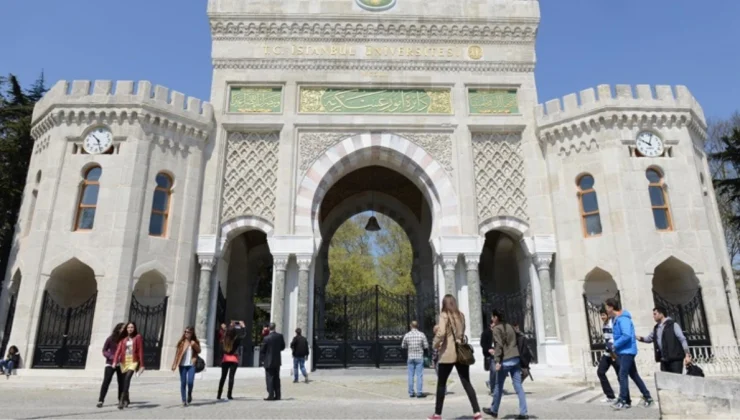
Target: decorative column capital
[
  {"x": 304, "y": 261},
  {"x": 543, "y": 260},
  {"x": 207, "y": 262},
  {"x": 471, "y": 262},
  {"x": 280, "y": 262},
  {"x": 448, "y": 262}
]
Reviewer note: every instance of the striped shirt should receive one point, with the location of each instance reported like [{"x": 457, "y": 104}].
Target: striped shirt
[
  {"x": 608, "y": 331},
  {"x": 415, "y": 342}
]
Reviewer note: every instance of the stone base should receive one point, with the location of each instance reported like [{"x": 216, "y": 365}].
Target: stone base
[{"x": 554, "y": 354}]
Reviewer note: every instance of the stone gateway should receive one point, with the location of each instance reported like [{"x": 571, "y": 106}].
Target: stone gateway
[{"x": 144, "y": 204}]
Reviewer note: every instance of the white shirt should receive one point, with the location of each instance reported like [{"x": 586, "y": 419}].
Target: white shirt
[{"x": 187, "y": 357}]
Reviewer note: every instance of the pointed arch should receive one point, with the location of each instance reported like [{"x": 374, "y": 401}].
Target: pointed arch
[
  {"x": 652, "y": 264},
  {"x": 235, "y": 226},
  {"x": 599, "y": 285},
  {"x": 81, "y": 255},
  {"x": 153, "y": 265},
  {"x": 514, "y": 226},
  {"x": 71, "y": 283}
]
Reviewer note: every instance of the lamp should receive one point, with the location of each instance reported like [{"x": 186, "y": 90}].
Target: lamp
[{"x": 372, "y": 223}]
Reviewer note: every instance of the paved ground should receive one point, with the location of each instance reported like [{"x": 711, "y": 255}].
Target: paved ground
[{"x": 357, "y": 394}]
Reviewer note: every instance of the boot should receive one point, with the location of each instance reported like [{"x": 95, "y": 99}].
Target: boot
[
  {"x": 120, "y": 403},
  {"x": 126, "y": 401},
  {"x": 190, "y": 396}
]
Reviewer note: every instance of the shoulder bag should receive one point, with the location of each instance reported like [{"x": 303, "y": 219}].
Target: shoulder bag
[{"x": 463, "y": 350}]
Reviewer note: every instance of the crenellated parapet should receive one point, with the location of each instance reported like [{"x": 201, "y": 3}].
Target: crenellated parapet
[
  {"x": 591, "y": 109},
  {"x": 85, "y": 101}
]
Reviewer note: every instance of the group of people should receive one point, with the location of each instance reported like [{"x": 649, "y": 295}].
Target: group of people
[{"x": 669, "y": 345}]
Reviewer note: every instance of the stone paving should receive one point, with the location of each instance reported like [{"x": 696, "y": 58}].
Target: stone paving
[{"x": 360, "y": 394}]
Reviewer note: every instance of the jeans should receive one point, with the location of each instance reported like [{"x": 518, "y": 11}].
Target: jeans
[
  {"x": 416, "y": 368},
  {"x": 604, "y": 364},
  {"x": 107, "y": 378},
  {"x": 187, "y": 377},
  {"x": 7, "y": 366},
  {"x": 492, "y": 374},
  {"x": 627, "y": 368},
  {"x": 299, "y": 363},
  {"x": 516, "y": 378},
  {"x": 230, "y": 368},
  {"x": 675, "y": 366},
  {"x": 444, "y": 373}
]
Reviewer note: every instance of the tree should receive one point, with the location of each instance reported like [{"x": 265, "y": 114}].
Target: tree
[
  {"x": 16, "y": 145},
  {"x": 395, "y": 257},
  {"x": 351, "y": 265}
]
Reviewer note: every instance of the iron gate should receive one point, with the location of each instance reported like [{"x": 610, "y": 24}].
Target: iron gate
[
  {"x": 150, "y": 322},
  {"x": 518, "y": 309},
  {"x": 8, "y": 325},
  {"x": 594, "y": 324},
  {"x": 63, "y": 336},
  {"x": 366, "y": 329},
  {"x": 690, "y": 316}
]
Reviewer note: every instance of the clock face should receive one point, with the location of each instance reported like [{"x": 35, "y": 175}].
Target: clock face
[
  {"x": 98, "y": 141},
  {"x": 649, "y": 144}
]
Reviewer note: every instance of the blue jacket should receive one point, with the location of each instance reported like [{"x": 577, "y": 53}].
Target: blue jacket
[{"x": 625, "y": 341}]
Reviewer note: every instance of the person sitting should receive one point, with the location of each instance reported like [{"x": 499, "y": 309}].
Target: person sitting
[{"x": 11, "y": 361}]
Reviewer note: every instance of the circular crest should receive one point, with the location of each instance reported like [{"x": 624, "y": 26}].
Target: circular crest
[{"x": 376, "y": 5}]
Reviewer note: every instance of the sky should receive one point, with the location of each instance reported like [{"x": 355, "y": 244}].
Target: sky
[{"x": 581, "y": 44}]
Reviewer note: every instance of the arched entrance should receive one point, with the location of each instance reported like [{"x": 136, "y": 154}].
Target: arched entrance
[
  {"x": 11, "y": 298},
  {"x": 149, "y": 310},
  {"x": 598, "y": 286},
  {"x": 65, "y": 323},
  {"x": 363, "y": 326},
  {"x": 505, "y": 283},
  {"x": 246, "y": 293}
]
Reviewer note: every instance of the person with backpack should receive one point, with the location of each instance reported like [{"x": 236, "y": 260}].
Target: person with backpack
[
  {"x": 669, "y": 343},
  {"x": 507, "y": 362},
  {"x": 525, "y": 353}
]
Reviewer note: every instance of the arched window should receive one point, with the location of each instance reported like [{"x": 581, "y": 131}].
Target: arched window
[
  {"x": 160, "y": 205},
  {"x": 659, "y": 200},
  {"x": 88, "y": 201},
  {"x": 589, "y": 204}
]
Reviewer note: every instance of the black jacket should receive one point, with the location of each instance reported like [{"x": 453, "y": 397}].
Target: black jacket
[
  {"x": 486, "y": 342},
  {"x": 272, "y": 345},
  {"x": 671, "y": 350},
  {"x": 299, "y": 345}
]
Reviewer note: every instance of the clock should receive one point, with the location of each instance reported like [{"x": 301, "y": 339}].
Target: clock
[
  {"x": 649, "y": 144},
  {"x": 98, "y": 141}
]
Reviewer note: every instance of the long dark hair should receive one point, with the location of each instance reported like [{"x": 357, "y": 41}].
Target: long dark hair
[
  {"x": 190, "y": 330},
  {"x": 14, "y": 349},
  {"x": 229, "y": 339},
  {"x": 124, "y": 331},
  {"x": 116, "y": 334}
]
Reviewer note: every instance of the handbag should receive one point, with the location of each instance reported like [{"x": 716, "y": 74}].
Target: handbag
[
  {"x": 200, "y": 364},
  {"x": 463, "y": 350}
]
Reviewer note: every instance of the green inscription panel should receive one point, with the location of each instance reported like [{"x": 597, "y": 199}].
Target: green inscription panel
[
  {"x": 376, "y": 101},
  {"x": 256, "y": 100},
  {"x": 492, "y": 101}
]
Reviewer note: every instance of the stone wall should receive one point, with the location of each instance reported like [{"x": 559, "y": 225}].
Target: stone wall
[{"x": 690, "y": 397}]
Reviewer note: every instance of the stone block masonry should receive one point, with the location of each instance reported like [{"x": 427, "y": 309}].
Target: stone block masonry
[{"x": 691, "y": 397}]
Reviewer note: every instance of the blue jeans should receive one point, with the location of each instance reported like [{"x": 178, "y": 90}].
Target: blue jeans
[
  {"x": 515, "y": 371},
  {"x": 299, "y": 362},
  {"x": 627, "y": 368},
  {"x": 491, "y": 373},
  {"x": 7, "y": 366},
  {"x": 416, "y": 368},
  {"x": 187, "y": 376}
]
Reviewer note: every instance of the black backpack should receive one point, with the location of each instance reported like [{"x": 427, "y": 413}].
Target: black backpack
[
  {"x": 694, "y": 370},
  {"x": 525, "y": 353}
]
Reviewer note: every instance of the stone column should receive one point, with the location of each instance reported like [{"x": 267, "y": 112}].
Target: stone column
[
  {"x": 448, "y": 265},
  {"x": 204, "y": 296},
  {"x": 543, "y": 261},
  {"x": 304, "y": 262},
  {"x": 279, "y": 264},
  {"x": 474, "y": 300}
]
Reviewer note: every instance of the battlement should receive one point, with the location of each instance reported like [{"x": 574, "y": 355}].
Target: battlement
[
  {"x": 625, "y": 97},
  {"x": 102, "y": 93}
]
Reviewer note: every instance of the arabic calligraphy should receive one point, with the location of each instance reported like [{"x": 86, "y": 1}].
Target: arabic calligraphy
[
  {"x": 375, "y": 101},
  {"x": 493, "y": 101},
  {"x": 256, "y": 100}
]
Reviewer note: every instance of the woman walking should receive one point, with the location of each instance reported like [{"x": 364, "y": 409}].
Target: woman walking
[
  {"x": 230, "y": 361},
  {"x": 130, "y": 357},
  {"x": 188, "y": 349},
  {"x": 109, "y": 350},
  {"x": 451, "y": 329}
]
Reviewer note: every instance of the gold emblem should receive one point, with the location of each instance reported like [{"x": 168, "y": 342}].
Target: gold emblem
[{"x": 475, "y": 52}]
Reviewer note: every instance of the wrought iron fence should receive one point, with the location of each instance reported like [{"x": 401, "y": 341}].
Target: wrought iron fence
[
  {"x": 150, "y": 320},
  {"x": 690, "y": 316}
]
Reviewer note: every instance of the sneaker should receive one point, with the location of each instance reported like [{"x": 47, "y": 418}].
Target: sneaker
[
  {"x": 295, "y": 381},
  {"x": 621, "y": 405},
  {"x": 490, "y": 413},
  {"x": 609, "y": 400},
  {"x": 100, "y": 404},
  {"x": 412, "y": 395},
  {"x": 434, "y": 417},
  {"x": 646, "y": 402},
  {"x": 477, "y": 416}
]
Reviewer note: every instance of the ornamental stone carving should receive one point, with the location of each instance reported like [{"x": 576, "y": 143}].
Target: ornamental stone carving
[
  {"x": 439, "y": 145},
  {"x": 499, "y": 175},
  {"x": 250, "y": 180},
  {"x": 311, "y": 145}
]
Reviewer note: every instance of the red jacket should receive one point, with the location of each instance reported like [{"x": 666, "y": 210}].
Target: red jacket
[{"x": 138, "y": 350}]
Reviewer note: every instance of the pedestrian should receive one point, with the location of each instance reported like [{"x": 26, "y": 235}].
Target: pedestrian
[
  {"x": 450, "y": 334},
  {"x": 188, "y": 349},
  {"x": 109, "y": 350},
  {"x": 507, "y": 361},
  {"x": 272, "y": 345},
  {"x": 435, "y": 359},
  {"x": 11, "y": 361},
  {"x": 230, "y": 342},
  {"x": 608, "y": 358},
  {"x": 130, "y": 357},
  {"x": 669, "y": 343},
  {"x": 625, "y": 346},
  {"x": 299, "y": 347},
  {"x": 415, "y": 343},
  {"x": 486, "y": 344}
]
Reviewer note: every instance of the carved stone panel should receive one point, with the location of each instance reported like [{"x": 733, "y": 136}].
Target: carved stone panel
[
  {"x": 250, "y": 180},
  {"x": 499, "y": 175}
]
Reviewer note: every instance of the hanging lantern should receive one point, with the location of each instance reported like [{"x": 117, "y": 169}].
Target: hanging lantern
[{"x": 372, "y": 225}]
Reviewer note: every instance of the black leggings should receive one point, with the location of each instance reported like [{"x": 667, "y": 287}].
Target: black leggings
[
  {"x": 107, "y": 378},
  {"x": 229, "y": 367},
  {"x": 444, "y": 373},
  {"x": 127, "y": 381}
]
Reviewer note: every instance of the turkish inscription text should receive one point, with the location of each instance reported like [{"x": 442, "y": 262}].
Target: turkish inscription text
[{"x": 375, "y": 101}]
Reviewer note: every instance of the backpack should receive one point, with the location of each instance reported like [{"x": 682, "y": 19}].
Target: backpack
[
  {"x": 525, "y": 353},
  {"x": 694, "y": 370}
]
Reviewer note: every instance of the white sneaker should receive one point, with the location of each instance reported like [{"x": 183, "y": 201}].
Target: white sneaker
[{"x": 609, "y": 400}]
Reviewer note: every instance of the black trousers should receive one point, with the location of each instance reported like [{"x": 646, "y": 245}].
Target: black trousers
[
  {"x": 444, "y": 373},
  {"x": 230, "y": 368},
  {"x": 604, "y": 364},
  {"x": 272, "y": 377},
  {"x": 127, "y": 383},
  {"x": 675, "y": 366},
  {"x": 107, "y": 378}
]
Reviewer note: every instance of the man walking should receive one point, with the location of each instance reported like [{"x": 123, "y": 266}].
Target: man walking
[
  {"x": 486, "y": 344},
  {"x": 625, "y": 346},
  {"x": 415, "y": 342},
  {"x": 507, "y": 362},
  {"x": 608, "y": 359},
  {"x": 299, "y": 346},
  {"x": 272, "y": 345},
  {"x": 669, "y": 343}
]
